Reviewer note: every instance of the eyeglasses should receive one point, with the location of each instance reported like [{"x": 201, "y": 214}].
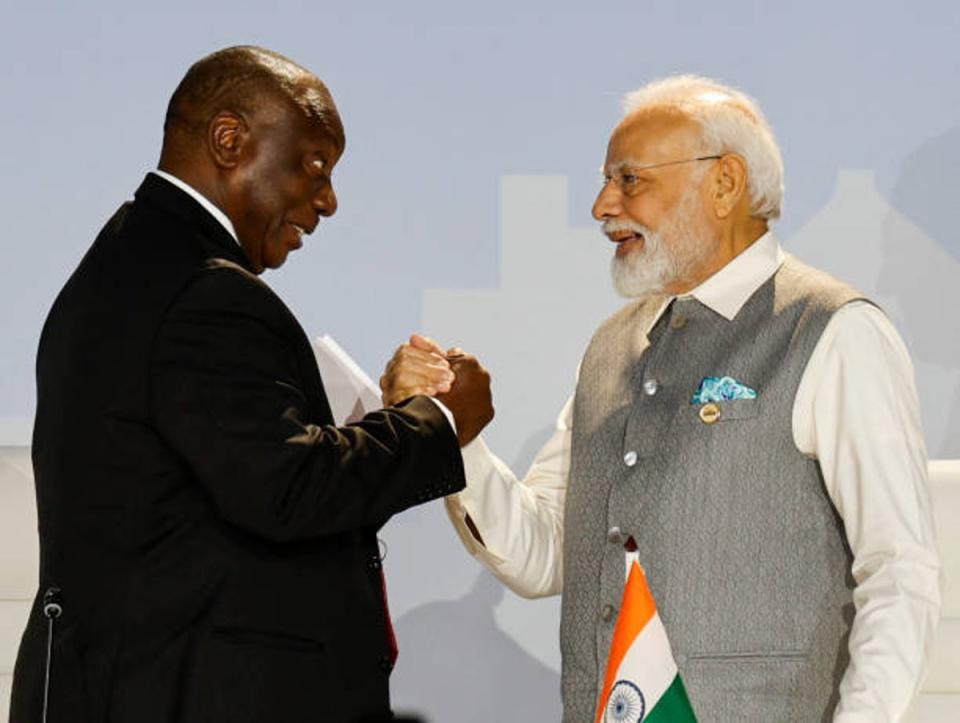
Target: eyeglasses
[{"x": 627, "y": 180}]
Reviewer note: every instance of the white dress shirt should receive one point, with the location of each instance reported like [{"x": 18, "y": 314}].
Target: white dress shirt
[{"x": 856, "y": 412}]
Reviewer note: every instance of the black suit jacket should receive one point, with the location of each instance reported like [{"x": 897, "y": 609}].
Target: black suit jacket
[{"x": 213, "y": 535}]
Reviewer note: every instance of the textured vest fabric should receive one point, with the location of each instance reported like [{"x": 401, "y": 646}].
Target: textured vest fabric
[{"x": 744, "y": 552}]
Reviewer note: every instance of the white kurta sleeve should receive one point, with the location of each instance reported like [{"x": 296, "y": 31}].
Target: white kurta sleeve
[
  {"x": 857, "y": 412},
  {"x": 521, "y": 522}
]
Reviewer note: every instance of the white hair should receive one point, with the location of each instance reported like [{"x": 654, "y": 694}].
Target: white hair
[{"x": 730, "y": 122}]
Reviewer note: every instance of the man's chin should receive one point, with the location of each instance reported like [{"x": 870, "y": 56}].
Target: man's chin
[
  {"x": 276, "y": 259},
  {"x": 630, "y": 280}
]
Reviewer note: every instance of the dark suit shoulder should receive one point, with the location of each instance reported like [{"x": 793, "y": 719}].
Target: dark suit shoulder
[
  {"x": 219, "y": 281},
  {"x": 223, "y": 289}
]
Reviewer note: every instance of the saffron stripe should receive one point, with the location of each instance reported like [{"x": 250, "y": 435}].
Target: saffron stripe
[{"x": 637, "y": 608}]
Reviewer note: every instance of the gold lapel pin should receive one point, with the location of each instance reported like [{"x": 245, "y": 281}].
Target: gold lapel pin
[{"x": 709, "y": 413}]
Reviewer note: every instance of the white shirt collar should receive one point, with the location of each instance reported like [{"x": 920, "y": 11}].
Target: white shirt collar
[
  {"x": 201, "y": 199},
  {"x": 729, "y": 288}
]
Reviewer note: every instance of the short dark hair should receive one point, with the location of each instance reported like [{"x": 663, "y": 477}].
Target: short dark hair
[{"x": 237, "y": 79}]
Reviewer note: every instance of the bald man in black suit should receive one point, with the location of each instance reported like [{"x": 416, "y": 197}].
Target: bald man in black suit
[{"x": 208, "y": 535}]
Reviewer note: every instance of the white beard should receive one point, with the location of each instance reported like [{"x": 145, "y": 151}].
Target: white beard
[{"x": 668, "y": 255}]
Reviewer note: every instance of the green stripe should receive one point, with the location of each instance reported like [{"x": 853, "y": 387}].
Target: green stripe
[{"x": 673, "y": 706}]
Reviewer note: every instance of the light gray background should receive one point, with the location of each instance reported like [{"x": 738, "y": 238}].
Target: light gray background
[{"x": 475, "y": 133}]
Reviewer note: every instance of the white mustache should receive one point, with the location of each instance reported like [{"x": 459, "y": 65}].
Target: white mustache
[{"x": 615, "y": 225}]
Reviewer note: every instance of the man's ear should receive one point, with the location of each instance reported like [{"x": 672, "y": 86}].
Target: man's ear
[
  {"x": 730, "y": 184},
  {"x": 227, "y": 134}
]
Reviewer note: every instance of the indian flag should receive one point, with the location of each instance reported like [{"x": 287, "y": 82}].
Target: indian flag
[{"x": 642, "y": 682}]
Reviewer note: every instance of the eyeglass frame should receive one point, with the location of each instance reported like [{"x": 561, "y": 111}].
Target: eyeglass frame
[{"x": 606, "y": 179}]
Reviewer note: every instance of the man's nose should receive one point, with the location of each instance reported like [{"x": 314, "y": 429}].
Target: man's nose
[
  {"x": 607, "y": 204},
  {"x": 325, "y": 202}
]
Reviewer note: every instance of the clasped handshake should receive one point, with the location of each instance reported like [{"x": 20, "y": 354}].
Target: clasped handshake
[{"x": 452, "y": 377}]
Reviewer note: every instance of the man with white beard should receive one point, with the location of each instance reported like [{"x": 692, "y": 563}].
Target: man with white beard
[{"x": 749, "y": 422}]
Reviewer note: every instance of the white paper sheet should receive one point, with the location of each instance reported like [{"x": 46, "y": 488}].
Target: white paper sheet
[{"x": 350, "y": 390}]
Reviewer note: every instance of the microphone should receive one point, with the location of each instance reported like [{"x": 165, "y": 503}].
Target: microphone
[{"x": 52, "y": 603}]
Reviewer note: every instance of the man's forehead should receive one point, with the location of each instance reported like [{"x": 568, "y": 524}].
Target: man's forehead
[
  {"x": 307, "y": 123},
  {"x": 324, "y": 119},
  {"x": 313, "y": 96},
  {"x": 319, "y": 136},
  {"x": 651, "y": 137}
]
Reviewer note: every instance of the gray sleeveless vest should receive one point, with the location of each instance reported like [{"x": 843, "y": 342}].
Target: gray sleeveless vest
[{"x": 744, "y": 552}]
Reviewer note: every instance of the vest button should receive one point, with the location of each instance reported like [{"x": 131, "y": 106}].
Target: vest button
[
  {"x": 630, "y": 458},
  {"x": 678, "y": 321},
  {"x": 650, "y": 387},
  {"x": 709, "y": 413},
  {"x": 614, "y": 535},
  {"x": 607, "y": 613}
]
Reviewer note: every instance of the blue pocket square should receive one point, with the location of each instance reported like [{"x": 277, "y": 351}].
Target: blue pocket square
[{"x": 721, "y": 389}]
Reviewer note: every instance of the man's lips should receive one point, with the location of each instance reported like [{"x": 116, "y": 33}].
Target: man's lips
[
  {"x": 626, "y": 241},
  {"x": 299, "y": 232}
]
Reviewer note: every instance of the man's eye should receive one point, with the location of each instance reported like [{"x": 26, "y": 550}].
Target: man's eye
[
  {"x": 319, "y": 165},
  {"x": 626, "y": 182}
]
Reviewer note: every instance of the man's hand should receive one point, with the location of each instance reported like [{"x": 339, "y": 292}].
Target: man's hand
[
  {"x": 417, "y": 367},
  {"x": 469, "y": 398}
]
